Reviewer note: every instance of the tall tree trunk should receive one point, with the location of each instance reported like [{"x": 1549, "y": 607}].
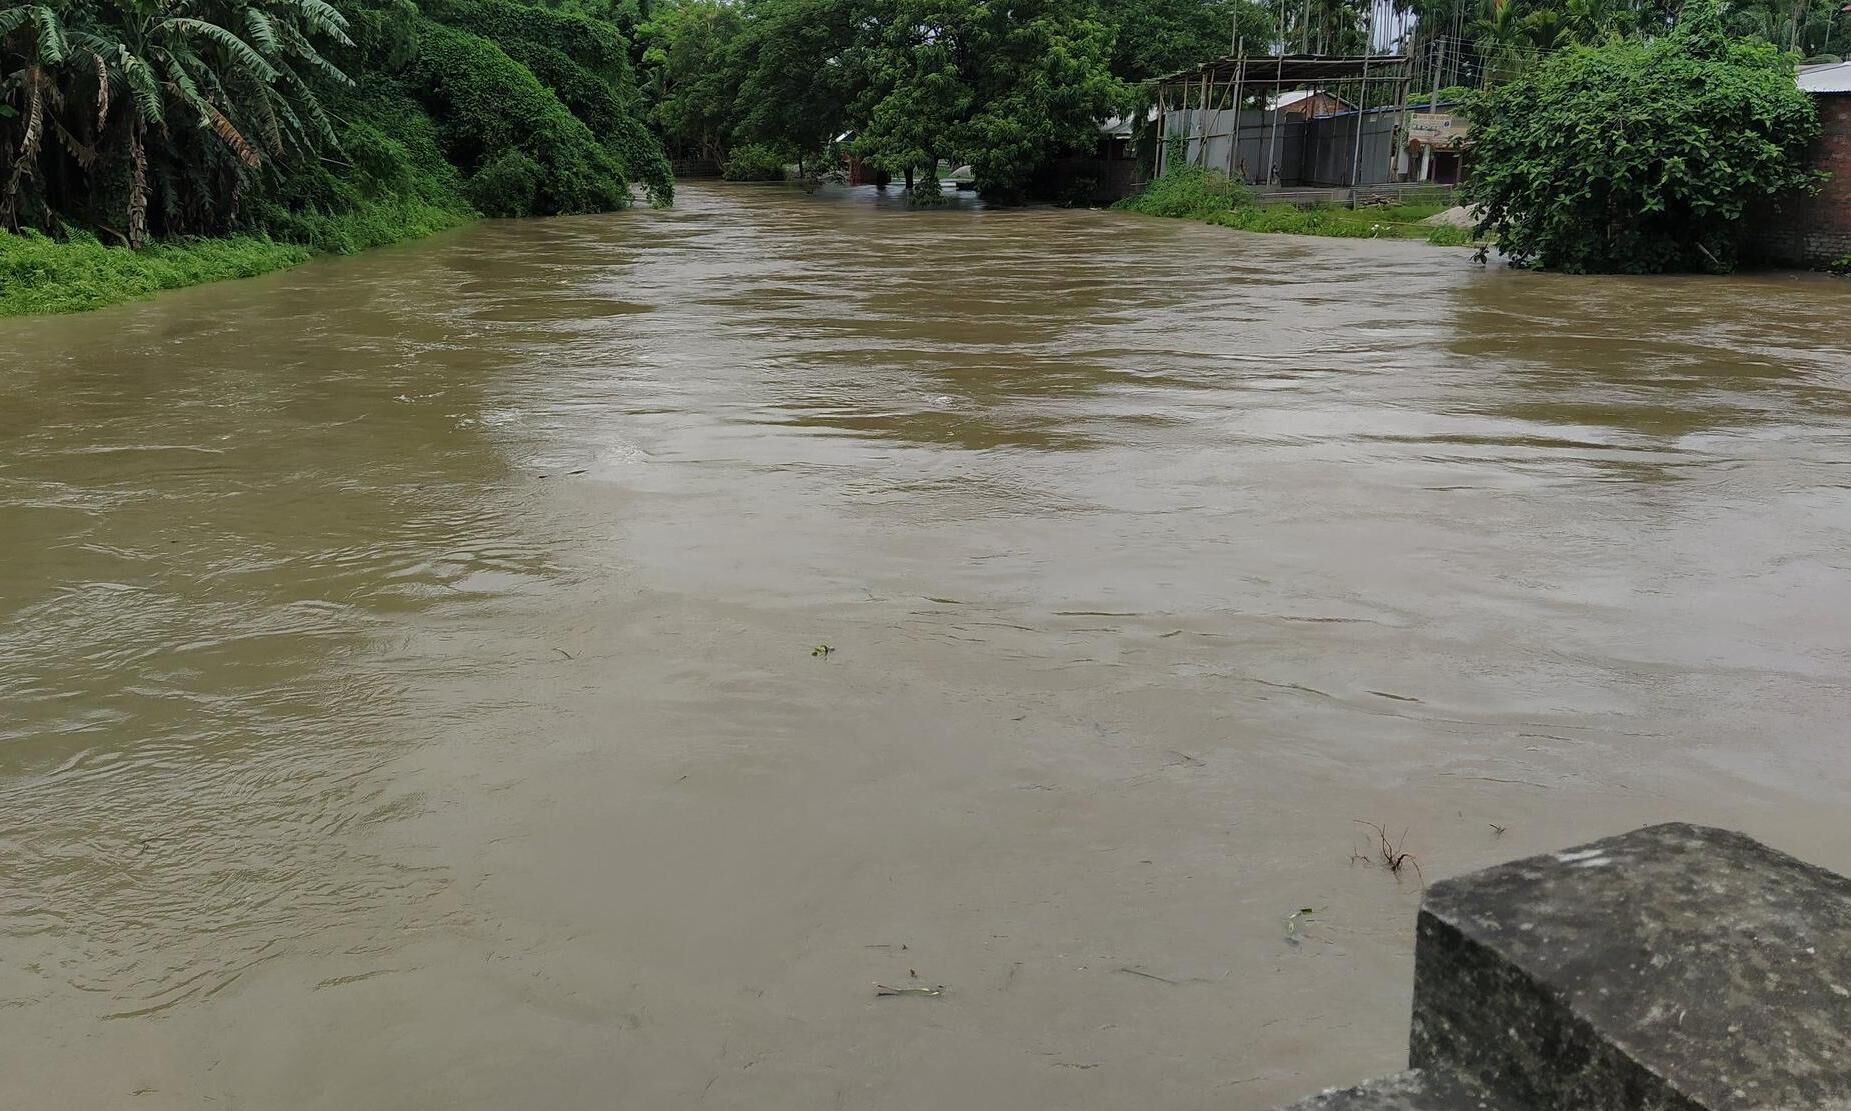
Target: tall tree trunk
[
  {"x": 138, "y": 191},
  {"x": 927, "y": 191}
]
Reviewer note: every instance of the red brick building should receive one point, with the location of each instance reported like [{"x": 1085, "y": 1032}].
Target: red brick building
[{"x": 1816, "y": 231}]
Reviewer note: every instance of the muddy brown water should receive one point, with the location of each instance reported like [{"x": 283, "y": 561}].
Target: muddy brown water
[{"x": 410, "y": 698}]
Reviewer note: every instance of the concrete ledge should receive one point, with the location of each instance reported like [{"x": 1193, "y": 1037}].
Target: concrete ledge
[{"x": 1675, "y": 968}]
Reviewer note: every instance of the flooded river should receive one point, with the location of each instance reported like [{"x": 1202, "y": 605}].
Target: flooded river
[{"x": 416, "y": 698}]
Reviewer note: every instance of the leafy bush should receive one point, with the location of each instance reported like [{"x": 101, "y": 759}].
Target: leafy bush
[
  {"x": 585, "y": 62},
  {"x": 754, "y": 162},
  {"x": 1640, "y": 157},
  {"x": 1188, "y": 192},
  {"x": 485, "y": 105},
  {"x": 508, "y": 186}
]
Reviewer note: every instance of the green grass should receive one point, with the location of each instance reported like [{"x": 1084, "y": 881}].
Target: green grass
[
  {"x": 1195, "y": 193},
  {"x": 1399, "y": 221},
  {"x": 371, "y": 223},
  {"x": 43, "y": 275},
  {"x": 39, "y": 275}
]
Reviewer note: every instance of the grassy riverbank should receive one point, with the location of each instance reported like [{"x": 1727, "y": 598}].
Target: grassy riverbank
[
  {"x": 1193, "y": 193},
  {"x": 43, "y": 275}
]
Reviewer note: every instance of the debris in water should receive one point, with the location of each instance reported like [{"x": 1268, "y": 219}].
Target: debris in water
[
  {"x": 1390, "y": 855},
  {"x": 821, "y": 650},
  {"x": 931, "y": 992}
]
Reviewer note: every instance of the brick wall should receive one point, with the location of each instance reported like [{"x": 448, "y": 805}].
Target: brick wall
[{"x": 1815, "y": 231}]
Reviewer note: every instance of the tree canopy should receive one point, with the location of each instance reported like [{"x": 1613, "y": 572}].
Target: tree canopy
[
  {"x": 1005, "y": 88},
  {"x": 1640, "y": 156}
]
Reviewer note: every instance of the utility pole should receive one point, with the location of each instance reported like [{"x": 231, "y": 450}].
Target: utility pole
[
  {"x": 1362, "y": 108},
  {"x": 1433, "y": 105}
]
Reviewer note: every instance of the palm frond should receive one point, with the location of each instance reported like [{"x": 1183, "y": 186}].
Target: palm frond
[
  {"x": 35, "y": 128},
  {"x": 262, "y": 32},
  {"x": 102, "y": 91},
  {"x": 229, "y": 134},
  {"x": 259, "y": 102},
  {"x": 304, "y": 49},
  {"x": 298, "y": 133},
  {"x": 321, "y": 18},
  {"x": 321, "y": 128},
  {"x": 239, "y": 50},
  {"x": 81, "y": 152},
  {"x": 180, "y": 82},
  {"x": 52, "y": 47},
  {"x": 144, "y": 87}
]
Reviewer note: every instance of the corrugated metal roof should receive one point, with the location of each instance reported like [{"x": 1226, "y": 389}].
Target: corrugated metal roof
[{"x": 1834, "y": 77}]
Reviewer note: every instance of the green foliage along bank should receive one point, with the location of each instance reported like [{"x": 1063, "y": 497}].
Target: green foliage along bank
[
  {"x": 1640, "y": 157},
  {"x": 1188, "y": 192},
  {"x": 286, "y": 127},
  {"x": 911, "y": 87},
  {"x": 40, "y": 275}
]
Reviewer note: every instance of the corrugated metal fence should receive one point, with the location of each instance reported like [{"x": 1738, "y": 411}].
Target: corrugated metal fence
[{"x": 1297, "y": 151}]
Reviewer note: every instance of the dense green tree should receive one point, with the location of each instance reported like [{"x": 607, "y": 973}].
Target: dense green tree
[
  {"x": 1157, "y": 37},
  {"x": 1004, "y": 88},
  {"x": 802, "y": 72},
  {"x": 1639, "y": 156},
  {"x": 692, "y": 72}
]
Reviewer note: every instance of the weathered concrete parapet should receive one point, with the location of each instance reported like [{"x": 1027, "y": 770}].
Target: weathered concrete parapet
[{"x": 1675, "y": 968}]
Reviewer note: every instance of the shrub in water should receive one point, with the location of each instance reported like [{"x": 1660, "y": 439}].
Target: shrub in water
[{"x": 1189, "y": 192}]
